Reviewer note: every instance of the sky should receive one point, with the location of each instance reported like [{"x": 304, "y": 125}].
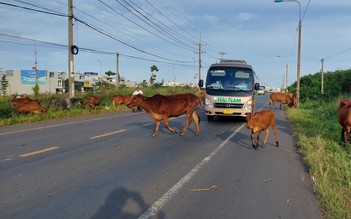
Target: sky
[{"x": 167, "y": 33}]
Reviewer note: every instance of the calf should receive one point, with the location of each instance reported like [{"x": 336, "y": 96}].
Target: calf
[
  {"x": 260, "y": 121},
  {"x": 93, "y": 102},
  {"x": 161, "y": 107},
  {"x": 344, "y": 116}
]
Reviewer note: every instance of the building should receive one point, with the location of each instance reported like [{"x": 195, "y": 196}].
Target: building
[
  {"x": 23, "y": 81},
  {"x": 51, "y": 82}
]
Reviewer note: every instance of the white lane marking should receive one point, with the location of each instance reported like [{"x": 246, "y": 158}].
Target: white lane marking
[
  {"x": 175, "y": 189},
  {"x": 109, "y": 133}
]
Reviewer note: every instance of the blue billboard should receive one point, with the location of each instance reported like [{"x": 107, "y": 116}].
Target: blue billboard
[{"x": 33, "y": 76}]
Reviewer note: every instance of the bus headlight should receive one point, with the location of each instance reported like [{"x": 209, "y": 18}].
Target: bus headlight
[
  {"x": 208, "y": 102},
  {"x": 248, "y": 105}
]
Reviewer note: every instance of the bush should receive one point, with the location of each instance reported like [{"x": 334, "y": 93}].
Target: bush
[{"x": 6, "y": 109}]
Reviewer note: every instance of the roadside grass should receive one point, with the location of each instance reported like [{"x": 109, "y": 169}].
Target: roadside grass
[{"x": 318, "y": 134}]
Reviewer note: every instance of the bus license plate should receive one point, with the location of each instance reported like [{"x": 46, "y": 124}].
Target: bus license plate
[{"x": 228, "y": 111}]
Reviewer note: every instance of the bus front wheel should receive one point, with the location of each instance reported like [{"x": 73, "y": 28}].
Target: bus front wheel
[{"x": 210, "y": 118}]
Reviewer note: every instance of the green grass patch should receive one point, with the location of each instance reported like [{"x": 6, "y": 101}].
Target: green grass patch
[{"x": 318, "y": 134}]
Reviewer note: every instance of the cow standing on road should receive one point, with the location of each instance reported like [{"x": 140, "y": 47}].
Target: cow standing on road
[
  {"x": 260, "y": 121},
  {"x": 161, "y": 107},
  {"x": 283, "y": 98}
]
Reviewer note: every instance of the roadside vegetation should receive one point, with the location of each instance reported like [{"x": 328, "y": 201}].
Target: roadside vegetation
[{"x": 318, "y": 134}]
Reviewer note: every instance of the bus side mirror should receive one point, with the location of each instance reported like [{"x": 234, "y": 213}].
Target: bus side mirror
[
  {"x": 201, "y": 83},
  {"x": 257, "y": 86}
]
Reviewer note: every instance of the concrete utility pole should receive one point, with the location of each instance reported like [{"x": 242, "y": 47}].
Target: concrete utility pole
[
  {"x": 70, "y": 46},
  {"x": 117, "y": 70},
  {"x": 200, "y": 52},
  {"x": 222, "y": 55},
  {"x": 322, "y": 77}
]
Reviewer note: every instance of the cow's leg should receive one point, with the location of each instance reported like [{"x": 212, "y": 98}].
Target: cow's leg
[
  {"x": 275, "y": 134},
  {"x": 165, "y": 121},
  {"x": 347, "y": 133},
  {"x": 252, "y": 139},
  {"x": 265, "y": 138},
  {"x": 342, "y": 135},
  {"x": 196, "y": 119},
  {"x": 258, "y": 138},
  {"x": 156, "y": 128},
  {"x": 187, "y": 123}
]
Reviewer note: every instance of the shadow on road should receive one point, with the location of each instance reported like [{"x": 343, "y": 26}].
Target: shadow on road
[{"x": 122, "y": 203}]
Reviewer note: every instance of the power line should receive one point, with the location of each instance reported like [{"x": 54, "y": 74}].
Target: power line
[
  {"x": 124, "y": 43},
  {"x": 159, "y": 26},
  {"x": 36, "y": 10},
  {"x": 31, "y": 42}
]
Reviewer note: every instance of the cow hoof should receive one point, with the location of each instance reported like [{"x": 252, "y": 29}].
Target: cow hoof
[
  {"x": 277, "y": 144},
  {"x": 153, "y": 135},
  {"x": 262, "y": 146},
  {"x": 181, "y": 134}
]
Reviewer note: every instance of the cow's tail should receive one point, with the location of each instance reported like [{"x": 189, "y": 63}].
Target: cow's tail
[{"x": 270, "y": 100}]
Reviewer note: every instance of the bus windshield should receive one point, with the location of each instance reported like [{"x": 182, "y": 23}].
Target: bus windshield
[{"x": 229, "y": 79}]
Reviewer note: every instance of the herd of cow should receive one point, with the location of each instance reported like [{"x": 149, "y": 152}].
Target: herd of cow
[
  {"x": 162, "y": 107},
  {"x": 26, "y": 105}
]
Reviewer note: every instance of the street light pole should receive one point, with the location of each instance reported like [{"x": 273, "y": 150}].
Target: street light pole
[
  {"x": 100, "y": 66},
  {"x": 298, "y": 50},
  {"x": 286, "y": 71}
]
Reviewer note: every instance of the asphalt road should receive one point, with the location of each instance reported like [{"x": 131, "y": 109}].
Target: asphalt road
[{"x": 109, "y": 166}]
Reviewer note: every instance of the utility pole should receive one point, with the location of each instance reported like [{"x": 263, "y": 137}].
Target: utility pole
[
  {"x": 322, "y": 77},
  {"x": 70, "y": 49},
  {"x": 200, "y": 52},
  {"x": 222, "y": 55},
  {"x": 36, "y": 65},
  {"x": 117, "y": 70}
]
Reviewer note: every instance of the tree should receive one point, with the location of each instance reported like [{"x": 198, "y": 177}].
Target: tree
[
  {"x": 4, "y": 85},
  {"x": 36, "y": 90},
  {"x": 153, "y": 68},
  {"x": 109, "y": 74}
]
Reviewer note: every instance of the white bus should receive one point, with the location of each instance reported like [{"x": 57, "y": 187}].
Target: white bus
[{"x": 230, "y": 87}]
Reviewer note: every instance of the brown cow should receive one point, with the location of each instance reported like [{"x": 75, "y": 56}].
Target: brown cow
[
  {"x": 161, "y": 107},
  {"x": 260, "y": 121},
  {"x": 93, "y": 102},
  {"x": 202, "y": 96},
  {"x": 17, "y": 101},
  {"x": 283, "y": 98},
  {"x": 293, "y": 101},
  {"x": 120, "y": 99},
  {"x": 31, "y": 108},
  {"x": 26, "y": 105},
  {"x": 344, "y": 114}
]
